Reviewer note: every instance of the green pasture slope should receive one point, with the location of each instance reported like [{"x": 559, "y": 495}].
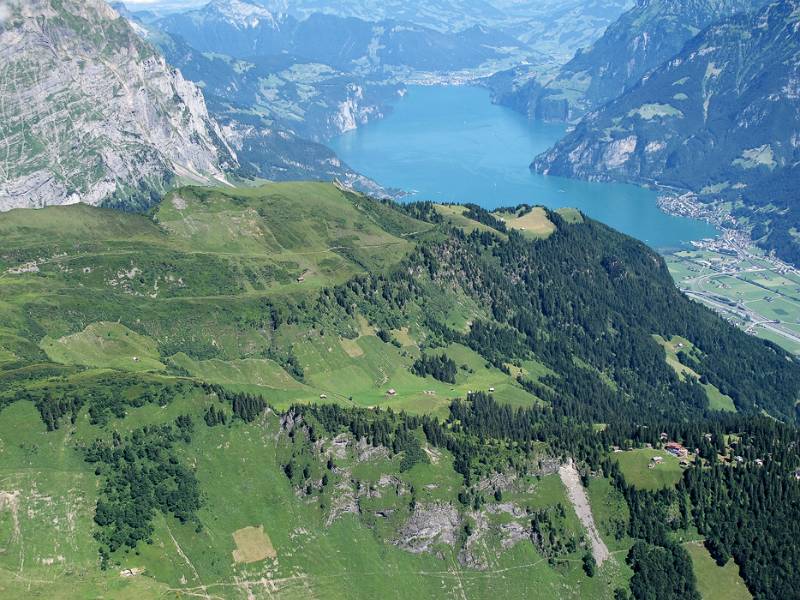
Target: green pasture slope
[
  {"x": 185, "y": 291},
  {"x": 46, "y": 527},
  {"x": 180, "y": 293},
  {"x": 112, "y": 322},
  {"x": 636, "y": 466},
  {"x": 715, "y": 582}
]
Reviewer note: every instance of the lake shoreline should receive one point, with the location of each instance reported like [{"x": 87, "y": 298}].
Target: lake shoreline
[{"x": 451, "y": 144}]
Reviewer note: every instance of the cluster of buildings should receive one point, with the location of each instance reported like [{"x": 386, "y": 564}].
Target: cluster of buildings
[
  {"x": 675, "y": 449},
  {"x": 681, "y": 452}
]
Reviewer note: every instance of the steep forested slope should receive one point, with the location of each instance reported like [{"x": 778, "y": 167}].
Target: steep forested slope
[
  {"x": 642, "y": 39},
  {"x": 721, "y": 118}
]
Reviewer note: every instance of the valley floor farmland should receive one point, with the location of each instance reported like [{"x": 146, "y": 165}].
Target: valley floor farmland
[{"x": 751, "y": 292}]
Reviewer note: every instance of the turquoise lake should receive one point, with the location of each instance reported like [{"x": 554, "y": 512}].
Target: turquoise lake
[{"x": 451, "y": 144}]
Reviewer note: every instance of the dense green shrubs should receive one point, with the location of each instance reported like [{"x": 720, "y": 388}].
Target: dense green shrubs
[
  {"x": 761, "y": 496},
  {"x": 661, "y": 572},
  {"x": 106, "y": 396},
  {"x": 142, "y": 474},
  {"x": 439, "y": 367},
  {"x": 246, "y": 407},
  {"x": 378, "y": 428}
]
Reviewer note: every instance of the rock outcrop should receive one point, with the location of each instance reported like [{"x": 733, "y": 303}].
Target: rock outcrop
[{"x": 430, "y": 524}]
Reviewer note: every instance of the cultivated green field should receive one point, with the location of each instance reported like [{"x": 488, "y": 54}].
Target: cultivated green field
[
  {"x": 635, "y": 465},
  {"x": 753, "y": 283},
  {"x": 715, "y": 582}
]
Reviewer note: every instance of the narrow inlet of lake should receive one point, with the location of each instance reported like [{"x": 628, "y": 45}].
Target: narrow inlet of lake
[{"x": 451, "y": 144}]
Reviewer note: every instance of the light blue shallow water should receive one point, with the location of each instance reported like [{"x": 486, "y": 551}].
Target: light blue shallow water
[{"x": 450, "y": 144}]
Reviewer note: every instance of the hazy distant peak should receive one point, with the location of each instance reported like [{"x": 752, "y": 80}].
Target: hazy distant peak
[{"x": 246, "y": 15}]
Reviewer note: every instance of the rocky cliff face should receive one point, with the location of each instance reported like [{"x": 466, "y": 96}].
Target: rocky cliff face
[
  {"x": 640, "y": 40},
  {"x": 91, "y": 113},
  {"x": 722, "y": 118},
  {"x": 312, "y": 100}
]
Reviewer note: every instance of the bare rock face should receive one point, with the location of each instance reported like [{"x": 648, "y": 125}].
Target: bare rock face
[
  {"x": 473, "y": 554},
  {"x": 430, "y": 524},
  {"x": 91, "y": 113},
  {"x": 344, "y": 501},
  {"x": 498, "y": 481}
]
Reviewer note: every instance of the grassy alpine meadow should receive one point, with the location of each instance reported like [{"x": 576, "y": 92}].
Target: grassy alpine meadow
[
  {"x": 47, "y": 503},
  {"x": 293, "y": 390},
  {"x": 111, "y": 321},
  {"x": 169, "y": 280},
  {"x": 642, "y": 472},
  {"x": 110, "y": 345},
  {"x": 195, "y": 289},
  {"x": 532, "y": 222},
  {"x": 715, "y": 582}
]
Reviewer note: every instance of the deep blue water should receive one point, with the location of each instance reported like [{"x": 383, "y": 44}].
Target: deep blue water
[{"x": 451, "y": 144}]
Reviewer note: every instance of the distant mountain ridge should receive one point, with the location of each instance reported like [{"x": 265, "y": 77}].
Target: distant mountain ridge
[
  {"x": 247, "y": 29},
  {"x": 640, "y": 40},
  {"x": 721, "y": 118},
  {"x": 556, "y": 28},
  {"x": 314, "y": 101}
]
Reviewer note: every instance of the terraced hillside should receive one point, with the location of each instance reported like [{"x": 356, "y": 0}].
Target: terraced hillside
[{"x": 294, "y": 390}]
